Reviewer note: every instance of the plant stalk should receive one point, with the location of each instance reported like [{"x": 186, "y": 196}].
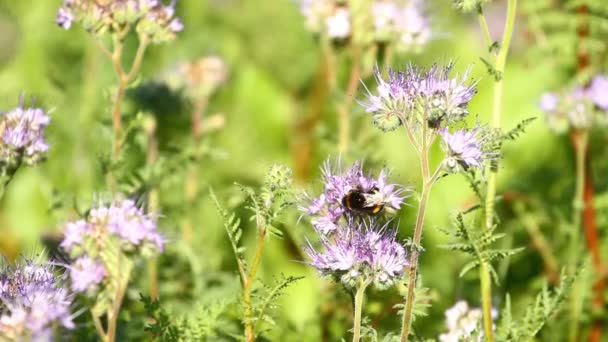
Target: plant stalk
[
  {"x": 359, "y": 295},
  {"x": 412, "y": 270},
  {"x": 248, "y": 284},
  {"x": 501, "y": 58}
]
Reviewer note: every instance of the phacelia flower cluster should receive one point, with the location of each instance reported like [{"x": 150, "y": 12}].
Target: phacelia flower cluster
[
  {"x": 33, "y": 300},
  {"x": 151, "y": 18},
  {"x": 401, "y": 23},
  {"x": 360, "y": 251},
  {"x": 349, "y": 194},
  {"x": 577, "y": 108},
  {"x": 419, "y": 97},
  {"x": 120, "y": 226},
  {"x": 22, "y": 133},
  {"x": 462, "y": 322}
]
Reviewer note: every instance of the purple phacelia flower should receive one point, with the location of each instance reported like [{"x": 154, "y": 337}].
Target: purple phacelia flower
[
  {"x": 86, "y": 273},
  {"x": 22, "y": 135},
  {"x": 360, "y": 251},
  {"x": 464, "y": 149},
  {"x": 128, "y": 222},
  {"x": 64, "y": 18},
  {"x": 121, "y": 221},
  {"x": 327, "y": 17},
  {"x": 34, "y": 299},
  {"x": 577, "y": 107},
  {"x": 351, "y": 193},
  {"x": 419, "y": 97},
  {"x": 151, "y": 18}
]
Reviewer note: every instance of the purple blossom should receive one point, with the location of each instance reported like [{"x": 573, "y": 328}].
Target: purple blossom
[
  {"x": 463, "y": 148},
  {"x": 86, "y": 273},
  {"x": 64, "y": 18},
  {"x": 598, "y": 91},
  {"x": 328, "y": 208},
  {"x": 404, "y": 95},
  {"x": 73, "y": 234},
  {"x": 360, "y": 250},
  {"x": 548, "y": 102},
  {"x": 128, "y": 222},
  {"x": 34, "y": 299},
  {"x": 402, "y": 23},
  {"x": 23, "y": 135}
]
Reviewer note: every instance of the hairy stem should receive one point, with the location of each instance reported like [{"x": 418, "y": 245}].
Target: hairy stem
[
  {"x": 247, "y": 286},
  {"x": 501, "y": 58},
  {"x": 412, "y": 270},
  {"x": 359, "y": 295}
]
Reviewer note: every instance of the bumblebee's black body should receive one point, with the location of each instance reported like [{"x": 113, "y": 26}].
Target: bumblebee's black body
[{"x": 355, "y": 200}]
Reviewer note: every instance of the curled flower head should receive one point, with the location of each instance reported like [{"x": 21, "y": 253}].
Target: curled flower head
[
  {"x": 360, "y": 251},
  {"x": 419, "y": 97},
  {"x": 34, "y": 299},
  {"x": 578, "y": 107},
  {"x": 464, "y": 149},
  {"x": 22, "y": 133},
  {"x": 86, "y": 273},
  {"x": 151, "y": 18},
  {"x": 351, "y": 193}
]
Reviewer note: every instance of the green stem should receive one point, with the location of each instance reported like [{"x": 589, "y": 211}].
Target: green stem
[
  {"x": 248, "y": 284},
  {"x": 501, "y": 58},
  {"x": 98, "y": 327},
  {"x": 153, "y": 198},
  {"x": 359, "y": 295},
  {"x": 412, "y": 270},
  {"x": 117, "y": 303},
  {"x": 580, "y": 140},
  {"x": 345, "y": 106}
]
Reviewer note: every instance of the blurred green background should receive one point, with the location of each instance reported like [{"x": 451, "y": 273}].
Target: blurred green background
[{"x": 272, "y": 63}]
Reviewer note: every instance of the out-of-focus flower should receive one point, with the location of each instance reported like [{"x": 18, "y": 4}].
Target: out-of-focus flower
[
  {"x": 461, "y": 322},
  {"x": 22, "y": 133},
  {"x": 120, "y": 227},
  {"x": 464, "y": 149},
  {"x": 360, "y": 251},
  {"x": 577, "y": 108},
  {"x": 151, "y": 18},
  {"x": 198, "y": 79},
  {"x": 416, "y": 95},
  {"x": 34, "y": 299},
  {"x": 86, "y": 273},
  {"x": 402, "y": 22},
  {"x": 351, "y": 194}
]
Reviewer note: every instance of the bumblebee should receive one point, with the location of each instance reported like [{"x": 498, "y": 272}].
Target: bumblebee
[{"x": 363, "y": 201}]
